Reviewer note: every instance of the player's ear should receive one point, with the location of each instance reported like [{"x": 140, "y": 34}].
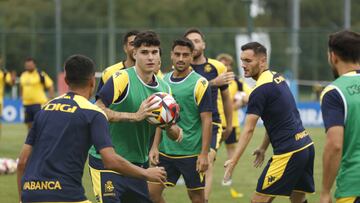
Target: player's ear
[
  {"x": 333, "y": 57},
  {"x": 134, "y": 53}
]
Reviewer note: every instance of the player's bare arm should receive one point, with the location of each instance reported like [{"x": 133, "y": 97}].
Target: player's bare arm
[
  {"x": 246, "y": 135},
  {"x": 260, "y": 152},
  {"x": 228, "y": 109},
  {"x": 154, "y": 151},
  {"x": 174, "y": 132},
  {"x": 331, "y": 160},
  {"x": 24, "y": 156},
  {"x": 51, "y": 92},
  {"x": 116, "y": 163},
  {"x": 145, "y": 110},
  {"x": 203, "y": 159}
]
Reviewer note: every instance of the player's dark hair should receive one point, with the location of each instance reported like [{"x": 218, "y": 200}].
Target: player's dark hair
[
  {"x": 28, "y": 59},
  {"x": 146, "y": 38},
  {"x": 78, "y": 70},
  {"x": 194, "y": 30},
  {"x": 256, "y": 47},
  {"x": 346, "y": 45},
  {"x": 183, "y": 42},
  {"x": 129, "y": 34}
]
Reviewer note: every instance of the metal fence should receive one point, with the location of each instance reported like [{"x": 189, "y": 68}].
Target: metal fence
[{"x": 18, "y": 44}]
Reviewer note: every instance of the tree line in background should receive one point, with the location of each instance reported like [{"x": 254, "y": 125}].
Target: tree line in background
[{"x": 27, "y": 28}]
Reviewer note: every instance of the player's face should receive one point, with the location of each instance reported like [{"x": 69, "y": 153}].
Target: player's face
[
  {"x": 181, "y": 58},
  {"x": 331, "y": 60},
  {"x": 199, "y": 44},
  {"x": 158, "y": 67},
  {"x": 147, "y": 58},
  {"x": 129, "y": 47},
  {"x": 29, "y": 65},
  {"x": 227, "y": 63},
  {"x": 251, "y": 63}
]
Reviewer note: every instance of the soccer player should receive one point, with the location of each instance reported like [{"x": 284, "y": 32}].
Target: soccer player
[
  {"x": 33, "y": 84},
  {"x": 128, "y": 47},
  {"x": 52, "y": 159},
  {"x": 6, "y": 78},
  {"x": 125, "y": 99},
  {"x": 290, "y": 170},
  {"x": 340, "y": 106},
  {"x": 188, "y": 158},
  {"x": 239, "y": 92},
  {"x": 215, "y": 72}
]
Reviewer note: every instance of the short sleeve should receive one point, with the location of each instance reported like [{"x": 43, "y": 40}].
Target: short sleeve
[
  {"x": 48, "y": 81},
  {"x": 31, "y": 136},
  {"x": 257, "y": 102},
  {"x": 100, "y": 134},
  {"x": 114, "y": 88},
  {"x": 332, "y": 108},
  {"x": 8, "y": 79},
  {"x": 203, "y": 95}
]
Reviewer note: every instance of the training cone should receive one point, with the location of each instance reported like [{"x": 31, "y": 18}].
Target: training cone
[{"x": 235, "y": 194}]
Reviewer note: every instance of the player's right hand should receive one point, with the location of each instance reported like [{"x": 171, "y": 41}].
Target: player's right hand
[
  {"x": 156, "y": 174},
  {"x": 154, "y": 156},
  {"x": 202, "y": 163},
  {"x": 146, "y": 109},
  {"x": 260, "y": 156},
  {"x": 229, "y": 168},
  {"x": 325, "y": 197},
  {"x": 224, "y": 78}
]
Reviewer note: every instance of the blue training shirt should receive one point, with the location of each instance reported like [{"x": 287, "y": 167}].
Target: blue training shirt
[
  {"x": 271, "y": 99},
  {"x": 61, "y": 136}
]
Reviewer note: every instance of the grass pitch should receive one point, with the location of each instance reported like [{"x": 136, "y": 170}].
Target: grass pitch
[{"x": 244, "y": 179}]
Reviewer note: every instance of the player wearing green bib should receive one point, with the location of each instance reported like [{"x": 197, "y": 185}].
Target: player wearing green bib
[
  {"x": 340, "y": 106},
  {"x": 125, "y": 100},
  {"x": 188, "y": 158}
]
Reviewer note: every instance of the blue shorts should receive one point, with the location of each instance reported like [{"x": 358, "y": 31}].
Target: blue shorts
[
  {"x": 216, "y": 136},
  {"x": 112, "y": 187},
  {"x": 175, "y": 166},
  {"x": 234, "y": 136},
  {"x": 288, "y": 172},
  {"x": 30, "y": 112}
]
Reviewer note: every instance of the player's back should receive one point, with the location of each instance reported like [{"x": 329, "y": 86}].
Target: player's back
[
  {"x": 272, "y": 100},
  {"x": 61, "y": 137}
]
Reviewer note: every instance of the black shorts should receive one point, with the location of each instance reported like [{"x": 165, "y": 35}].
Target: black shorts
[
  {"x": 176, "y": 166},
  {"x": 112, "y": 187},
  {"x": 216, "y": 136},
  {"x": 234, "y": 136},
  {"x": 288, "y": 172},
  {"x": 30, "y": 112}
]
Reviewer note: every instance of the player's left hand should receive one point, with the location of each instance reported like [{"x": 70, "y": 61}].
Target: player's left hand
[
  {"x": 229, "y": 168},
  {"x": 325, "y": 197},
  {"x": 154, "y": 156},
  {"x": 202, "y": 163},
  {"x": 173, "y": 131},
  {"x": 226, "y": 133},
  {"x": 260, "y": 156}
]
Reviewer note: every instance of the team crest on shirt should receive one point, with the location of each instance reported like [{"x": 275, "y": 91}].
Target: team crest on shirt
[
  {"x": 207, "y": 68},
  {"x": 109, "y": 187}
]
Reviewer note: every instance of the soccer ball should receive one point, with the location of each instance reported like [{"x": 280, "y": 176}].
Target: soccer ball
[
  {"x": 167, "y": 111},
  {"x": 7, "y": 166}
]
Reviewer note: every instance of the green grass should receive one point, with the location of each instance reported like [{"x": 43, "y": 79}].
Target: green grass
[{"x": 244, "y": 179}]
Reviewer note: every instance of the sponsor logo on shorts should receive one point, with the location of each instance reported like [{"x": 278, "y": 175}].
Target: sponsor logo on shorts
[
  {"x": 271, "y": 178},
  {"x": 109, "y": 189}
]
